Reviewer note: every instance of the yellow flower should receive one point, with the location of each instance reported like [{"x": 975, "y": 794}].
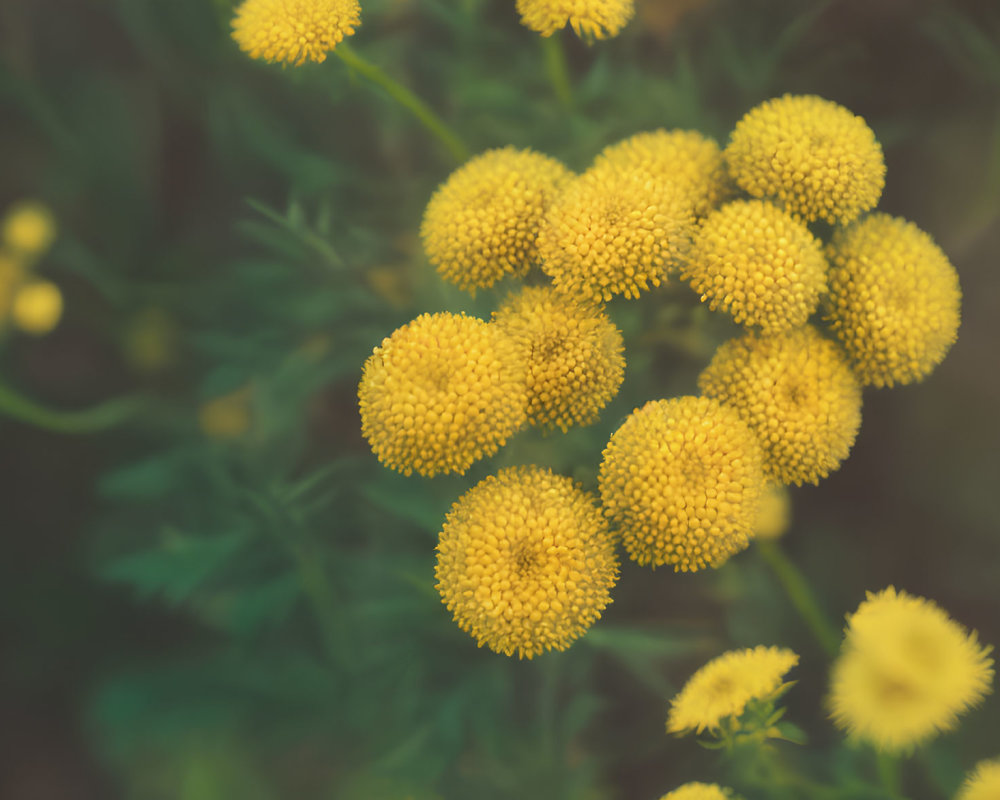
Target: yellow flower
[
  {"x": 774, "y": 514},
  {"x": 798, "y": 393},
  {"x": 441, "y": 392},
  {"x": 818, "y": 159},
  {"x": 12, "y": 275},
  {"x": 37, "y": 307},
  {"x": 683, "y": 479},
  {"x": 482, "y": 223},
  {"x": 686, "y": 158},
  {"x": 572, "y": 356},
  {"x": 291, "y": 31},
  {"x": 227, "y": 416},
  {"x": 894, "y": 299},
  {"x": 591, "y": 19},
  {"x": 28, "y": 229},
  {"x": 723, "y": 687},
  {"x": 699, "y": 791},
  {"x": 905, "y": 672},
  {"x": 614, "y": 231},
  {"x": 983, "y": 783},
  {"x": 754, "y": 261},
  {"x": 526, "y": 562}
]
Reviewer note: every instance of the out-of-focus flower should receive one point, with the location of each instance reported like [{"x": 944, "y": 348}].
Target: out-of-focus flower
[
  {"x": 292, "y": 31},
  {"x": 227, "y": 416},
  {"x": 699, "y": 791},
  {"x": 37, "y": 307},
  {"x": 28, "y": 229},
  {"x": 150, "y": 340},
  {"x": 774, "y": 514},
  {"x": 983, "y": 783},
  {"x": 591, "y": 19}
]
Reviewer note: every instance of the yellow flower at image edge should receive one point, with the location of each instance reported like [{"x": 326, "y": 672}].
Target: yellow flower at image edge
[
  {"x": 591, "y": 19},
  {"x": 526, "y": 561},
  {"x": 983, "y": 783},
  {"x": 723, "y": 687},
  {"x": 699, "y": 791},
  {"x": 292, "y": 31}
]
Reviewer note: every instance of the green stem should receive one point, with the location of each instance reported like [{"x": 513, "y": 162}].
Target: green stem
[
  {"x": 889, "y": 773},
  {"x": 558, "y": 71},
  {"x": 97, "y": 418},
  {"x": 798, "y": 591},
  {"x": 317, "y": 587},
  {"x": 405, "y": 98}
]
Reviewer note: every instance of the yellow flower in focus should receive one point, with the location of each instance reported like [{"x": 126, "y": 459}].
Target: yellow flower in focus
[
  {"x": 905, "y": 672},
  {"x": 482, "y": 223},
  {"x": 291, "y": 31},
  {"x": 683, "y": 479},
  {"x": 799, "y": 395},
  {"x": 820, "y": 160},
  {"x": 591, "y": 19},
  {"x": 983, "y": 783},
  {"x": 227, "y": 416},
  {"x": 614, "y": 231},
  {"x": 754, "y": 261},
  {"x": 688, "y": 159},
  {"x": 37, "y": 307},
  {"x": 774, "y": 514},
  {"x": 441, "y": 392},
  {"x": 894, "y": 299},
  {"x": 526, "y": 562},
  {"x": 28, "y": 229},
  {"x": 699, "y": 791},
  {"x": 572, "y": 356},
  {"x": 723, "y": 687}
]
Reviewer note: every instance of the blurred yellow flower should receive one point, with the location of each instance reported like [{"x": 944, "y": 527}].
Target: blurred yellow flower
[
  {"x": 905, "y": 672},
  {"x": 28, "y": 229},
  {"x": 37, "y": 307},
  {"x": 591, "y": 19},
  {"x": 227, "y": 416},
  {"x": 820, "y": 160},
  {"x": 12, "y": 274},
  {"x": 983, "y": 783},
  {"x": 526, "y": 562},
  {"x": 291, "y": 31},
  {"x": 150, "y": 340},
  {"x": 894, "y": 299},
  {"x": 699, "y": 791},
  {"x": 774, "y": 514}
]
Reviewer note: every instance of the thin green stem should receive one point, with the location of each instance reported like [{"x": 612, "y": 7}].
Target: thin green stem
[
  {"x": 557, "y": 69},
  {"x": 889, "y": 773},
  {"x": 802, "y": 597},
  {"x": 97, "y": 418},
  {"x": 431, "y": 121}
]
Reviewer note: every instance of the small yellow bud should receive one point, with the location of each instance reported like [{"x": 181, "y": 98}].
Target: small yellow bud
[{"x": 37, "y": 307}]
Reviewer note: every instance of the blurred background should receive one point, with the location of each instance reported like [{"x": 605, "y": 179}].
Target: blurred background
[{"x": 209, "y": 588}]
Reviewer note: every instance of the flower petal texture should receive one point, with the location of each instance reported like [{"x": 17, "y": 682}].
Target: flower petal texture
[
  {"x": 905, "y": 672},
  {"x": 591, "y": 19},
  {"x": 797, "y": 392},
  {"x": 894, "y": 299},
  {"x": 526, "y": 561},
  {"x": 815, "y": 157},
  {"x": 438, "y": 394},
  {"x": 482, "y": 223},
  {"x": 699, "y": 791},
  {"x": 294, "y": 31},
  {"x": 983, "y": 783},
  {"x": 682, "y": 478}
]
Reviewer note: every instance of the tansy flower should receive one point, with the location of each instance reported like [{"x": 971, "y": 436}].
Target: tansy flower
[
  {"x": 819, "y": 160},
  {"x": 613, "y": 231},
  {"x": 28, "y": 229},
  {"x": 482, "y": 223},
  {"x": 438, "y": 394},
  {"x": 799, "y": 395},
  {"x": 723, "y": 687},
  {"x": 682, "y": 478},
  {"x": 754, "y": 261},
  {"x": 228, "y": 416},
  {"x": 774, "y": 514},
  {"x": 983, "y": 783},
  {"x": 571, "y": 354},
  {"x": 894, "y": 299},
  {"x": 37, "y": 307},
  {"x": 699, "y": 791},
  {"x": 591, "y": 19},
  {"x": 905, "y": 672},
  {"x": 291, "y": 31},
  {"x": 688, "y": 159},
  {"x": 525, "y": 562}
]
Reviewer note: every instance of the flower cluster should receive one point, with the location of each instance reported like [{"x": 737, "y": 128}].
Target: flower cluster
[
  {"x": 33, "y": 305},
  {"x": 591, "y": 19},
  {"x": 293, "y": 31}
]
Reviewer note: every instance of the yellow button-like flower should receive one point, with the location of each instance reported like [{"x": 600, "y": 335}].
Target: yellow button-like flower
[
  {"x": 482, "y": 223},
  {"x": 441, "y": 392},
  {"x": 292, "y": 31},
  {"x": 798, "y": 393},
  {"x": 699, "y": 791},
  {"x": 683, "y": 479},
  {"x": 983, "y": 783},
  {"x": 905, "y": 672},
  {"x": 818, "y": 159},
  {"x": 723, "y": 687},
  {"x": 526, "y": 562},
  {"x": 688, "y": 159},
  {"x": 894, "y": 299},
  {"x": 759, "y": 264},
  {"x": 572, "y": 356},
  {"x": 614, "y": 231},
  {"x": 28, "y": 229},
  {"x": 774, "y": 514},
  {"x": 37, "y": 307},
  {"x": 591, "y": 19}
]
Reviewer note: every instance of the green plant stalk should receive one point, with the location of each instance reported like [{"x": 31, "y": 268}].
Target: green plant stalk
[
  {"x": 889, "y": 773},
  {"x": 90, "y": 420},
  {"x": 557, "y": 70},
  {"x": 431, "y": 121}
]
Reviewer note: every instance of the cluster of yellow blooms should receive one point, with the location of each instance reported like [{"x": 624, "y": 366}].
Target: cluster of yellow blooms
[{"x": 32, "y": 305}]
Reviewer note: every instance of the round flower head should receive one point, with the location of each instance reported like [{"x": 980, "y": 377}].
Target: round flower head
[
  {"x": 291, "y": 31},
  {"x": 613, "y": 231},
  {"x": 526, "y": 562},
  {"x": 906, "y": 671},
  {"x": 894, "y": 299},
  {"x": 983, "y": 783},
  {"x": 686, "y": 158},
  {"x": 28, "y": 229},
  {"x": 798, "y": 393},
  {"x": 774, "y": 514},
  {"x": 572, "y": 356},
  {"x": 482, "y": 223},
  {"x": 818, "y": 159},
  {"x": 37, "y": 307},
  {"x": 683, "y": 479},
  {"x": 438, "y": 394},
  {"x": 591, "y": 19},
  {"x": 699, "y": 791},
  {"x": 754, "y": 261}
]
